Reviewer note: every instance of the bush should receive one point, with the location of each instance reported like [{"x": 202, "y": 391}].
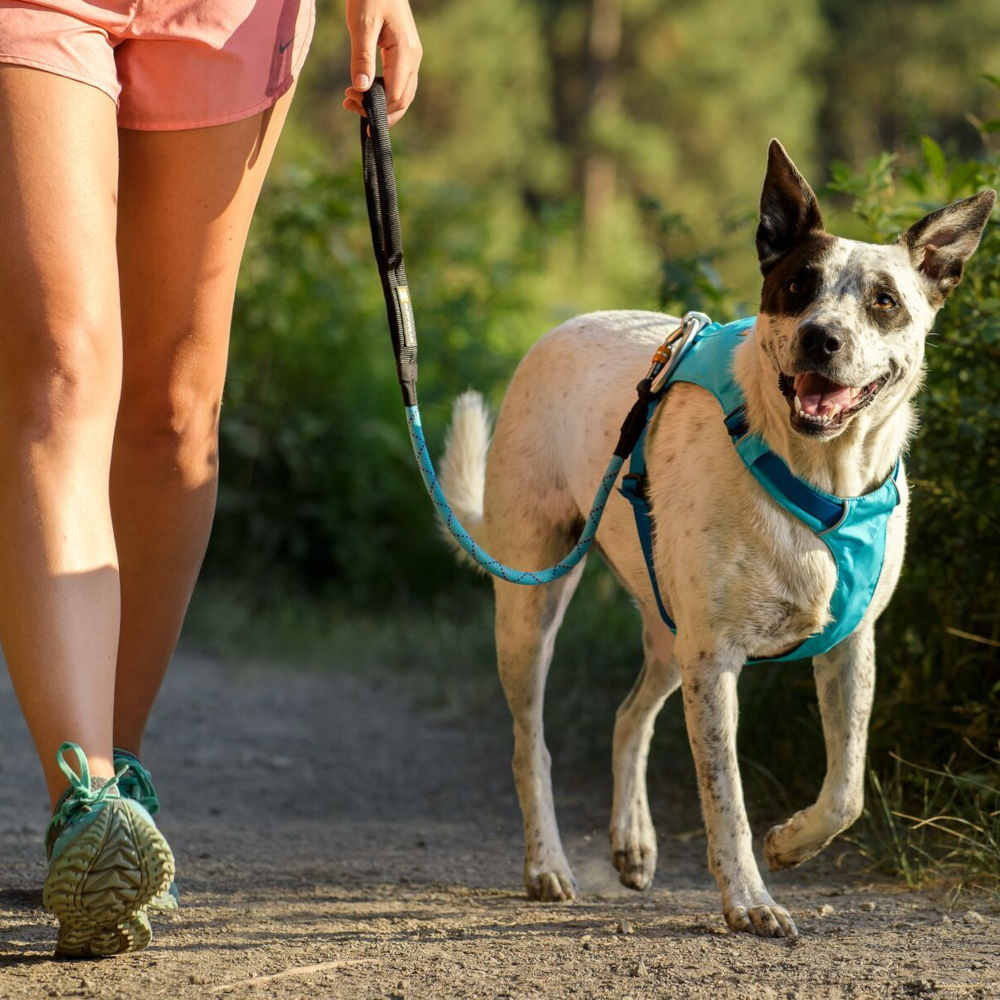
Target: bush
[{"x": 319, "y": 489}]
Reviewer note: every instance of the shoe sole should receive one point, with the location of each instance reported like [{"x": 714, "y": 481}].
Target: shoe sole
[{"x": 100, "y": 884}]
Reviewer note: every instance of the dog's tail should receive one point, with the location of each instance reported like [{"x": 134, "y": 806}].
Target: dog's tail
[{"x": 463, "y": 466}]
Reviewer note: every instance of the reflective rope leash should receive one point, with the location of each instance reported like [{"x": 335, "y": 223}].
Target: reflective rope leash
[{"x": 383, "y": 214}]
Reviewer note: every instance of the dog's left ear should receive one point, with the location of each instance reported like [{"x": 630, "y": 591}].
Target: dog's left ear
[
  {"x": 941, "y": 243},
  {"x": 788, "y": 208}
]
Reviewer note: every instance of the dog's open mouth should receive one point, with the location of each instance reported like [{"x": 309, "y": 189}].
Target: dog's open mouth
[{"x": 818, "y": 404}]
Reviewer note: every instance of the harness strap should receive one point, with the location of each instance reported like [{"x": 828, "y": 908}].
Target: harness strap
[
  {"x": 634, "y": 489},
  {"x": 779, "y": 480}
]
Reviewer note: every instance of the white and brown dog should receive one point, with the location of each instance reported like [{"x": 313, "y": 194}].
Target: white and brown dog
[{"x": 828, "y": 372}]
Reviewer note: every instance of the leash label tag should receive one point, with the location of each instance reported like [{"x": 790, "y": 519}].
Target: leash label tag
[{"x": 406, "y": 311}]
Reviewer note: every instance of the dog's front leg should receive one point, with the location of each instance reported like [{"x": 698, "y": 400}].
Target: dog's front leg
[
  {"x": 845, "y": 682},
  {"x": 708, "y": 683}
]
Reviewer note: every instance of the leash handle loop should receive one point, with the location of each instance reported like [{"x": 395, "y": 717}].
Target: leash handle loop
[{"x": 387, "y": 239}]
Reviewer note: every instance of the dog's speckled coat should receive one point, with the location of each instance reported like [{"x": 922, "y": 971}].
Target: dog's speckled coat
[{"x": 741, "y": 577}]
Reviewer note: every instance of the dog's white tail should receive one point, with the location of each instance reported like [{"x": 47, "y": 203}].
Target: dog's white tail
[{"x": 463, "y": 465}]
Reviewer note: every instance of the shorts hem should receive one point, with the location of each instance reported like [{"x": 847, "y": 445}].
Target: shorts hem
[
  {"x": 8, "y": 60},
  {"x": 177, "y": 125}
]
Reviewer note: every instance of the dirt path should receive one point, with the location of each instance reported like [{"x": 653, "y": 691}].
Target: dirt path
[{"x": 333, "y": 840}]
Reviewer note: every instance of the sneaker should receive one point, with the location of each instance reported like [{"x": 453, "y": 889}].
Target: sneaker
[
  {"x": 107, "y": 860},
  {"x": 136, "y": 783}
]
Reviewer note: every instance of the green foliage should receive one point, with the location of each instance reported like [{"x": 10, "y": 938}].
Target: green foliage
[
  {"x": 926, "y": 824},
  {"x": 319, "y": 485}
]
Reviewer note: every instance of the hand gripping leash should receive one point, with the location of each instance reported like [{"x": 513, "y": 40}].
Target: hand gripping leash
[{"x": 383, "y": 214}]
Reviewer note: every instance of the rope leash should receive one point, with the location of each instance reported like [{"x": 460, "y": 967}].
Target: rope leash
[{"x": 383, "y": 215}]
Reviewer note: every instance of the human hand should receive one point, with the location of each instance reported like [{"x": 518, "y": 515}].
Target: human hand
[{"x": 389, "y": 26}]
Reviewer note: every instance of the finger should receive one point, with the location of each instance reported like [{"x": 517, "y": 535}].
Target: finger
[
  {"x": 407, "y": 99},
  {"x": 364, "y": 28},
  {"x": 354, "y": 105},
  {"x": 401, "y": 55},
  {"x": 353, "y": 94}
]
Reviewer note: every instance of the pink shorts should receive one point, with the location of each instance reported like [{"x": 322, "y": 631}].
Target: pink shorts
[{"x": 167, "y": 64}]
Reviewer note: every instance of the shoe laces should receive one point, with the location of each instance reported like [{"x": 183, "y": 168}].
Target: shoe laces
[
  {"x": 135, "y": 782},
  {"x": 81, "y": 796}
]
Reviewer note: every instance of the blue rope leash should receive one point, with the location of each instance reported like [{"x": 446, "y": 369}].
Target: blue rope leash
[
  {"x": 529, "y": 578},
  {"x": 383, "y": 214}
]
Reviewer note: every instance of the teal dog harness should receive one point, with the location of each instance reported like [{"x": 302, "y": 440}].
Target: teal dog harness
[{"x": 852, "y": 528}]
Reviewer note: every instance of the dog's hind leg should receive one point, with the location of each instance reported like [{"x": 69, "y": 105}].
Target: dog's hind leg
[
  {"x": 845, "y": 683},
  {"x": 527, "y": 620},
  {"x": 633, "y": 837}
]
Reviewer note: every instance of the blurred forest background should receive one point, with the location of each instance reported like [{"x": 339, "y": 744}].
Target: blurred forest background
[{"x": 566, "y": 155}]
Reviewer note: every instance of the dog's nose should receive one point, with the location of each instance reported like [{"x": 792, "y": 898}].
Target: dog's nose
[{"x": 819, "y": 343}]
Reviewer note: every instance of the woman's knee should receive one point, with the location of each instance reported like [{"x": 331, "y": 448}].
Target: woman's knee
[
  {"x": 174, "y": 427},
  {"x": 60, "y": 377}
]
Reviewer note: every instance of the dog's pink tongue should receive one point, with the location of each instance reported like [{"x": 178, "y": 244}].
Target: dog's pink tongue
[{"x": 820, "y": 396}]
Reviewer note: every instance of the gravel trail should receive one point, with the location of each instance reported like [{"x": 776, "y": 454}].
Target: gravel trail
[{"x": 335, "y": 838}]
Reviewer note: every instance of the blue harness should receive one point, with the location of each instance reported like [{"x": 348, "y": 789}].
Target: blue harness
[{"x": 852, "y": 528}]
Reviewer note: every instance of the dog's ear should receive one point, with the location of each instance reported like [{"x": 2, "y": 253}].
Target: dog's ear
[
  {"x": 941, "y": 243},
  {"x": 788, "y": 209}
]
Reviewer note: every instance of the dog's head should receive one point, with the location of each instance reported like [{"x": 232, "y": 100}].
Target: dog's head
[{"x": 843, "y": 323}]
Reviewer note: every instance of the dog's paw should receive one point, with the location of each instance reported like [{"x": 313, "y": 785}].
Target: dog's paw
[
  {"x": 636, "y": 864},
  {"x": 550, "y": 886},
  {"x": 633, "y": 847},
  {"x": 792, "y": 842},
  {"x": 766, "y": 920}
]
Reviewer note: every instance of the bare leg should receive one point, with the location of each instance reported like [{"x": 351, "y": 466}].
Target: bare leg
[
  {"x": 845, "y": 683},
  {"x": 186, "y": 200},
  {"x": 527, "y": 620},
  {"x": 60, "y": 377},
  {"x": 633, "y": 837}
]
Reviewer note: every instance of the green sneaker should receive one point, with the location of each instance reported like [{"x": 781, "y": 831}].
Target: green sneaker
[
  {"x": 107, "y": 860},
  {"x": 136, "y": 783}
]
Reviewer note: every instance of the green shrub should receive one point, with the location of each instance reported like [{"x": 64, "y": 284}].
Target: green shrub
[{"x": 319, "y": 489}]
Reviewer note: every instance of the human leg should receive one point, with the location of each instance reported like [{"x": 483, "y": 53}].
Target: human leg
[
  {"x": 60, "y": 376},
  {"x": 185, "y": 203}
]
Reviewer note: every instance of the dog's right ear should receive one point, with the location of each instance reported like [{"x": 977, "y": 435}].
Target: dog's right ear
[{"x": 788, "y": 208}]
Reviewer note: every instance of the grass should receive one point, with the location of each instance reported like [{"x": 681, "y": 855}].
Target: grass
[{"x": 933, "y": 827}]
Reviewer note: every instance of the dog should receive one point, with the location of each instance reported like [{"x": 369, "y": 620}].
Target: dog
[{"x": 828, "y": 371}]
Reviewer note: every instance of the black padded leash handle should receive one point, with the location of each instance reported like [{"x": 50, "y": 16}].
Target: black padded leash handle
[{"x": 387, "y": 240}]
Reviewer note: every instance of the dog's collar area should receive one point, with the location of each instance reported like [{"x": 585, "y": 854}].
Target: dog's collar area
[{"x": 827, "y": 510}]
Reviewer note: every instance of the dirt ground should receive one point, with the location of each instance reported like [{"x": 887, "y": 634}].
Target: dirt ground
[{"x": 335, "y": 839}]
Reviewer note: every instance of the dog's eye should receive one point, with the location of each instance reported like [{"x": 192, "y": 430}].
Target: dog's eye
[
  {"x": 793, "y": 286},
  {"x": 883, "y": 300}
]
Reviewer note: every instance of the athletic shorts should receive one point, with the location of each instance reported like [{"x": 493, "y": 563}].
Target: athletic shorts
[{"x": 167, "y": 64}]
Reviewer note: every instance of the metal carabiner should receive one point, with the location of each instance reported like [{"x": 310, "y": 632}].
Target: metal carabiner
[{"x": 673, "y": 348}]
